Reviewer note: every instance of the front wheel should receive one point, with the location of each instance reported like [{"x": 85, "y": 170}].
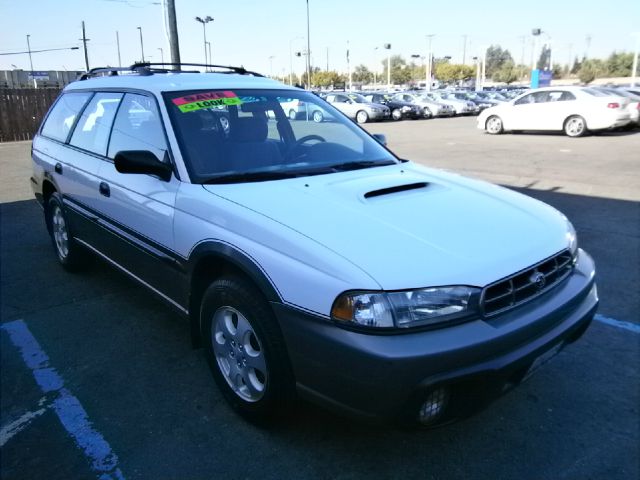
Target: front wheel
[
  {"x": 317, "y": 116},
  {"x": 396, "y": 114},
  {"x": 245, "y": 349},
  {"x": 293, "y": 114},
  {"x": 575, "y": 126},
  {"x": 494, "y": 125},
  {"x": 362, "y": 117},
  {"x": 70, "y": 255}
]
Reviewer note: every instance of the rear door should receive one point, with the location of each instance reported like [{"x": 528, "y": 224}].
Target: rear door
[{"x": 78, "y": 162}]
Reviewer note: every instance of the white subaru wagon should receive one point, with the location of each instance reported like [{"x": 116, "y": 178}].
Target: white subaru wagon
[{"x": 308, "y": 258}]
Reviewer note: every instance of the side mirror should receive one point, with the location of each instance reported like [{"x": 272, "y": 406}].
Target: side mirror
[
  {"x": 381, "y": 138},
  {"x": 142, "y": 161}
]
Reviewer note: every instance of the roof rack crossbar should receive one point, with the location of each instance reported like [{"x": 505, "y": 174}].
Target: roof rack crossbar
[{"x": 147, "y": 68}]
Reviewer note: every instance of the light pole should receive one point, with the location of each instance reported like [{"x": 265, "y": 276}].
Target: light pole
[
  {"x": 118, "y": 45},
  {"x": 209, "y": 51},
  {"x": 535, "y": 33},
  {"x": 161, "y": 55},
  {"x": 204, "y": 22},
  {"x": 428, "y": 73},
  {"x": 308, "y": 51},
  {"x": 271, "y": 57},
  {"x": 141, "y": 43},
  {"x": 291, "y": 58},
  {"x": 464, "y": 49},
  {"x": 29, "y": 49},
  {"x": 634, "y": 69},
  {"x": 387, "y": 46}
]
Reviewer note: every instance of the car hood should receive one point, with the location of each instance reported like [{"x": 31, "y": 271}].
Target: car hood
[{"x": 408, "y": 226}]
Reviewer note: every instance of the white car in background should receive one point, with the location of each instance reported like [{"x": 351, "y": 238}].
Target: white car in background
[
  {"x": 633, "y": 107},
  {"x": 574, "y": 110}
]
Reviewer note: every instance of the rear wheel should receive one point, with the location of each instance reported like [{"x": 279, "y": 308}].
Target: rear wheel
[
  {"x": 293, "y": 114},
  {"x": 494, "y": 125},
  {"x": 575, "y": 126},
  {"x": 245, "y": 349},
  {"x": 362, "y": 117},
  {"x": 70, "y": 255}
]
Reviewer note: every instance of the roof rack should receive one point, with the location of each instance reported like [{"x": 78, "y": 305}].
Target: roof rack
[{"x": 146, "y": 68}]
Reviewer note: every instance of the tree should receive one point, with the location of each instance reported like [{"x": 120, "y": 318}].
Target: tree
[
  {"x": 496, "y": 58},
  {"x": 400, "y": 73},
  {"x": 545, "y": 56},
  {"x": 590, "y": 70},
  {"x": 452, "y": 72},
  {"x": 619, "y": 64},
  {"x": 362, "y": 74},
  {"x": 303, "y": 77},
  {"x": 508, "y": 73},
  {"x": 327, "y": 79}
]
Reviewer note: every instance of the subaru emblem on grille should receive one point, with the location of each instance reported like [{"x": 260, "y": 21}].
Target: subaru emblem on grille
[{"x": 539, "y": 280}]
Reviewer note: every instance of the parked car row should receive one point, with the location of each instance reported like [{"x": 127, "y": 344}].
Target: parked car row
[
  {"x": 574, "y": 110},
  {"x": 414, "y": 104}
]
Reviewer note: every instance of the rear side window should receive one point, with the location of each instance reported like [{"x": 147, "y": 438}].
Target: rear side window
[
  {"x": 92, "y": 131},
  {"x": 63, "y": 115},
  {"x": 138, "y": 127}
]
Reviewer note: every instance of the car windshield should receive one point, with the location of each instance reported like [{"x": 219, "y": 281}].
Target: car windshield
[
  {"x": 356, "y": 97},
  {"x": 233, "y": 136}
]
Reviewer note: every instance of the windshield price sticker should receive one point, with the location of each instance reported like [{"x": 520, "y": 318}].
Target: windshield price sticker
[{"x": 199, "y": 101}]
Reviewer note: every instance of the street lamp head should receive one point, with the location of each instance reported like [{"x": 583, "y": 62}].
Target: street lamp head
[
  {"x": 208, "y": 19},
  {"x": 75, "y": 48},
  {"x": 387, "y": 46},
  {"x": 536, "y": 31}
]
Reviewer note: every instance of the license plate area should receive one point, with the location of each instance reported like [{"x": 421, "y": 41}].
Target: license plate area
[{"x": 543, "y": 359}]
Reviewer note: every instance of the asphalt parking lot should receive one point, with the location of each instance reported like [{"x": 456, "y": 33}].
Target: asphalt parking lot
[{"x": 99, "y": 380}]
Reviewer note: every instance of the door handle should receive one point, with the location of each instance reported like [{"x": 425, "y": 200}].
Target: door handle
[
  {"x": 104, "y": 189},
  {"x": 58, "y": 168}
]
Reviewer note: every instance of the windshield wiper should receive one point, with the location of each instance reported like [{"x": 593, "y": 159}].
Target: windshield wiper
[
  {"x": 343, "y": 167},
  {"x": 247, "y": 177}
]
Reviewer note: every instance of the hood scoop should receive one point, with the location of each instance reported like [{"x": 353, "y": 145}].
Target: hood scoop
[{"x": 398, "y": 188}]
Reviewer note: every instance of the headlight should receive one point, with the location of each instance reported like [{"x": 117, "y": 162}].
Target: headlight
[
  {"x": 411, "y": 308},
  {"x": 572, "y": 240},
  {"x": 376, "y": 110},
  {"x": 406, "y": 108}
]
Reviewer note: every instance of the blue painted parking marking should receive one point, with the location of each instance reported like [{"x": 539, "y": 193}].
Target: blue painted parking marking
[
  {"x": 72, "y": 415},
  {"x": 631, "y": 327}
]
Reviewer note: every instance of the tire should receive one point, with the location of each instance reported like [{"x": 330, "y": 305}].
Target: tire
[
  {"x": 293, "y": 114},
  {"x": 245, "y": 350},
  {"x": 362, "y": 116},
  {"x": 575, "y": 126},
  {"x": 426, "y": 113},
  {"x": 70, "y": 254},
  {"x": 318, "y": 117},
  {"x": 396, "y": 114},
  {"x": 493, "y": 125}
]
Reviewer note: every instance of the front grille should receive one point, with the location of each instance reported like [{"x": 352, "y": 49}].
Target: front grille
[{"x": 527, "y": 284}]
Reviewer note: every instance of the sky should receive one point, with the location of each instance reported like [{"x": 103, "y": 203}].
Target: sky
[{"x": 258, "y": 34}]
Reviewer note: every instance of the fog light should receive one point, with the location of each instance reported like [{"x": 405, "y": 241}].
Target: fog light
[{"x": 433, "y": 406}]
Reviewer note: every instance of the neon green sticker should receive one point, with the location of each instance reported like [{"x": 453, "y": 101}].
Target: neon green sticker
[{"x": 217, "y": 102}]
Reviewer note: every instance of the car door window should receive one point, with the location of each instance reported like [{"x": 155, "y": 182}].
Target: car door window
[
  {"x": 138, "y": 127},
  {"x": 527, "y": 99},
  {"x": 92, "y": 130},
  {"x": 63, "y": 115}
]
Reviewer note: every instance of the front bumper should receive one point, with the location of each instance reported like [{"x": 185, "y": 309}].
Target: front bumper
[{"x": 378, "y": 376}]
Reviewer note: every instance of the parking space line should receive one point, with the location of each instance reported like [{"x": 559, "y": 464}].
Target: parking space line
[
  {"x": 72, "y": 415},
  {"x": 632, "y": 327},
  {"x": 13, "y": 428}
]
